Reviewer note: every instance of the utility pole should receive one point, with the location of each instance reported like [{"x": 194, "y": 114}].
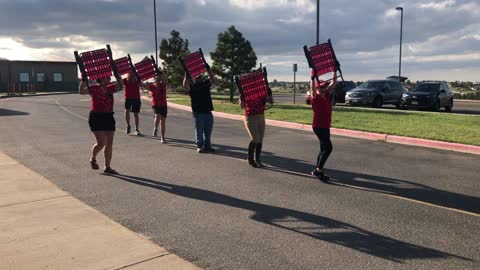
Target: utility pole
[
  {"x": 295, "y": 68},
  {"x": 155, "y": 21},
  {"x": 401, "y": 38}
]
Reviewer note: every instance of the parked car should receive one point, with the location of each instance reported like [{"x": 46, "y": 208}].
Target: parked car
[
  {"x": 376, "y": 93},
  {"x": 429, "y": 95},
  {"x": 340, "y": 89}
]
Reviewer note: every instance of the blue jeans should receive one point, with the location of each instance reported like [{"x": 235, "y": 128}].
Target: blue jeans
[{"x": 203, "y": 129}]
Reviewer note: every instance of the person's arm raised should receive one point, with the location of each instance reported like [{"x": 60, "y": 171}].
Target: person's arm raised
[
  {"x": 333, "y": 83},
  {"x": 83, "y": 88},
  {"x": 313, "y": 89},
  {"x": 186, "y": 83}
]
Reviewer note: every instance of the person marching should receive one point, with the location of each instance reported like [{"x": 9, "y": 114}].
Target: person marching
[
  {"x": 159, "y": 106},
  {"x": 101, "y": 120},
  {"x": 255, "y": 125},
  {"x": 202, "y": 107},
  {"x": 321, "y": 99},
  {"x": 132, "y": 102}
]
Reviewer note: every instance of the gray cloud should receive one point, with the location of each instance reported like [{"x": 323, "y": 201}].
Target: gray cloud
[{"x": 365, "y": 33}]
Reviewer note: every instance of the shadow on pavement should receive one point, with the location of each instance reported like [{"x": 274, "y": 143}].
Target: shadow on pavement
[
  {"x": 364, "y": 182},
  {"x": 5, "y": 112},
  {"x": 318, "y": 227}
]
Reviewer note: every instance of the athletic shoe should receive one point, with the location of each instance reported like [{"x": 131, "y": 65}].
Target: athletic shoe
[
  {"x": 321, "y": 176},
  {"x": 209, "y": 149},
  {"x": 137, "y": 133},
  {"x": 162, "y": 140},
  {"x": 128, "y": 130},
  {"x": 200, "y": 150},
  {"x": 155, "y": 132}
]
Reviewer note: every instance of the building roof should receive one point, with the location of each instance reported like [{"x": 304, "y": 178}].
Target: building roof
[{"x": 36, "y": 56}]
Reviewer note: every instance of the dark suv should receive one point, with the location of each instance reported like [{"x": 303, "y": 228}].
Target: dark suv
[
  {"x": 430, "y": 95},
  {"x": 340, "y": 89},
  {"x": 376, "y": 93}
]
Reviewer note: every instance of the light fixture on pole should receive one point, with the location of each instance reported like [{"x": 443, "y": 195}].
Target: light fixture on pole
[{"x": 401, "y": 37}]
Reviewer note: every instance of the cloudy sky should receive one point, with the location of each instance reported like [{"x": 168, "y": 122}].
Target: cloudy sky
[{"x": 441, "y": 37}]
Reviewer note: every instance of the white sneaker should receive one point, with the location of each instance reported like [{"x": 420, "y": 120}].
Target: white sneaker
[
  {"x": 162, "y": 140},
  {"x": 137, "y": 133}
]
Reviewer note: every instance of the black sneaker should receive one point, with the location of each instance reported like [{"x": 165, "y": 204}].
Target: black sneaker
[
  {"x": 321, "y": 176},
  {"x": 128, "y": 130},
  {"x": 209, "y": 149}
]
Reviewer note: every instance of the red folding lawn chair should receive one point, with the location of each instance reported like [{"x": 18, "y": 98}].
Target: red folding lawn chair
[
  {"x": 322, "y": 59},
  {"x": 146, "y": 69},
  {"x": 124, "y": 65},
  {"x": 254, "y": 89},
  {"x": 194, "y": 64},
  {"x": 97, "y": 64}
]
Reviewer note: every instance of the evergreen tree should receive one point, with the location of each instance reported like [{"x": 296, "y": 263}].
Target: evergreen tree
[
  {"x": 233, "y": 56},
  {"x": 170, "y": 50}
]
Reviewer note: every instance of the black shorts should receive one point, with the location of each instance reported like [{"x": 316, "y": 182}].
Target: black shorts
[
  {"x": 99, "y": 121},
  {"x": 161, "y": 110},
  {"x": 133, "y": 105}
]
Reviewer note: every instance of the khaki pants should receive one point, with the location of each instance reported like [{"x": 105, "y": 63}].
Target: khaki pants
[{"x": 255, "y": 125}]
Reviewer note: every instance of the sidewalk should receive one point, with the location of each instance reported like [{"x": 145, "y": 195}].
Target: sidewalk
[{"x": 43, "y": 227}]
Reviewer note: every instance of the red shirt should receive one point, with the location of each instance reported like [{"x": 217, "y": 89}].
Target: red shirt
[
  {"x": 132, "y": 89},
  {"x": 159, "y": 94},
  {"x": 102, "y": 98},
  {"x": 322, "y": 111},
  {"x": 254, "y": 107}
]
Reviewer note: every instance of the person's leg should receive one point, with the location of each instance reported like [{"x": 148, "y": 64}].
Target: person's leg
[
  {"x": 323, "y": 135},
  {"x": 137, "y": 121},
  {"x": 109, "y": 135},
  {"x": 100, "y": 143},
  {"x": 249, "y": 126},
  {"x": 260, "y": 129},
  {"x": 198, "y": 130},
  {"x": 127, "y": 120},
  {"x": 163, "y": 121},
  {"x": 208, "y": 131},
  {"x": 325, "y": 148}
]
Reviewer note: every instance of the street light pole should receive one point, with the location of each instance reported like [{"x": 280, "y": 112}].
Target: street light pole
[
  {"x": 318, "y": 22},
  {"x": 156, "y": 39},
  {"x": 401, "y": 38}
]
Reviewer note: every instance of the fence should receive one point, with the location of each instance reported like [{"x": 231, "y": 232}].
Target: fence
[{"x": 15, "y": 88}]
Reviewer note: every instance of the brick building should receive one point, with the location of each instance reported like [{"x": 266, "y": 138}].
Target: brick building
[{"x": 45, "y": 76}]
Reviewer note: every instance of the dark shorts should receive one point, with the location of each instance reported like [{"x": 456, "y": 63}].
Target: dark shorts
[
  {"x": 161, "y": 110},
  {"x": 133, "y": 105},
  {"x": 99, "y": 121}
]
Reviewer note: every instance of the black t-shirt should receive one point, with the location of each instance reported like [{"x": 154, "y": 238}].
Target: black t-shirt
[{"x": 200, "y": 97}]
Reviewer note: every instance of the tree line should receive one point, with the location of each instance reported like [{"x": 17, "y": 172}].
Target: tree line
[{"x": 233, "y": 56}]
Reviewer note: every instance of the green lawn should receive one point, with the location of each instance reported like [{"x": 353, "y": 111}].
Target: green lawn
[{"x": 435, "y": 126}]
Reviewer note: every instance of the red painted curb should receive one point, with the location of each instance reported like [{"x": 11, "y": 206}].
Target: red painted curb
[{"x": 464, "y": 148}]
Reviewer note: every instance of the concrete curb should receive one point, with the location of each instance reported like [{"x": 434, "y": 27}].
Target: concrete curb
[
  {"x": 38, "y": 94},
  {"x": 457, "y": 147}
]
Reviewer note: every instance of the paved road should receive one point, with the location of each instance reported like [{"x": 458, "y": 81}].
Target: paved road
[
  {"x": 461, "y": 107},
  {"x": 389, "y": 206}
]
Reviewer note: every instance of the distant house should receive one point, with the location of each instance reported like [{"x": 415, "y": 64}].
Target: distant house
[{"x": 44, "y": 76}]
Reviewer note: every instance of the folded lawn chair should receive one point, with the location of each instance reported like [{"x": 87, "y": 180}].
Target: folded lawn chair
[
  {"x": 322, "y": 59},
  {"x": 254, "y": 89},
  {"x": 97, "y": 64},
  {"x": 124, "y": 65},
  {"x": 146, "y": 69},
  {"x": 194, "y": 64}
]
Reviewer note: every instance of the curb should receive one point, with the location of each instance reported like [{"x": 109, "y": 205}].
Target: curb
[
  {"x": 457, "y": 147},
  {"x": 38, "y": 94}
]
